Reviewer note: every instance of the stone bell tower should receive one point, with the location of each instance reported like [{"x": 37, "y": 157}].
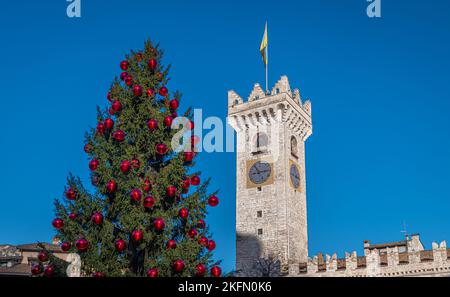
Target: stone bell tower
[{"x": 270, "y": 181}]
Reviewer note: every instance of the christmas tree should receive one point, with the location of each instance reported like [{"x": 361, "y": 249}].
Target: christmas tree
[{"x": 146, "y": 216}]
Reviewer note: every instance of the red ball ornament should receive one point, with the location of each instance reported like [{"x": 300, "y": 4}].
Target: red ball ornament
[
  {"x": 150, "y": 93},
  {"x": 36, "y": 269},
  {"x": 136, "y": 163},
  {"x": 123, "y": 75},
  {"x": 116, "y": 106},
  {"x": 152, "y": 272},
  {"x": 42, "y": 256},
  {"x": 120, "y": 245},
  {"x": 124, "y": 65},
  {"x": 149, "y": 202},
  {"x": 211, "y": 245},
  {"x": 152, "y": 125},
  {"x": 147, "y": 186},
  {"x": 152, "y": 63},
  {"x": 201, "y": 224},
  {"x": 70, "y": 194},
  {"x": 188, "y": 157},
  {"x": 109, "y": 123},
  {"x": 174, "y": 104},
  {"x": 174, "y": 115},
  {"x": 58, "y": 223},
  {"x": 203, "y": 241},
  {"x": 192, "y": 233},
  {"x": 163, "y": 91},
  {"x": 159, "y": 224},
  {"x": 109, "y": 96},
  {"x": 191, "y": 125},
  {"x": 97, "y": 218},
  {"x": 168, "y": 121},
  {"x": 119, "y": 135},
  {"x": 111, "y": 186},
  {"x": 171, "y": 244},
  {"x": 137, "y": 235},
  {"x": 200, "y": 270},
  {"x": 137, "y": 91},
  {"x": 136, "y": 195},
  {"x": 185, "y": 185},
  {"x": 128, "y": 80},
  {"x": 161, "y": 149},
  {"x": 125, "y": 166},
  {"x": 98, "y": 274},
  {"x": 195, "y": 180},
  {"x": 82, "y": 244},
  {"x": 93, "y": 164},
  {"x": 65, "y": 246},
  {"x": 213, "y": 201},
  {"x": 86, "y": 148},
  {"x": 49, "y": 271},
  {"x": 101, "y": 128},
  {"x": 139, "y": 57},
  {"x": 171, "y": 191},
  {"x": 72, "y": 216},
  {"x": 183, "y": 213},
  {"x": 111, "y": 111},
  {"x": 216, "y": 271},
  {"x": 178, "y": 265}
]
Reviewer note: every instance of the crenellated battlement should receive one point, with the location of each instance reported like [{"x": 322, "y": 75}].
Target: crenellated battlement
[{"x": 404, "y": 258}]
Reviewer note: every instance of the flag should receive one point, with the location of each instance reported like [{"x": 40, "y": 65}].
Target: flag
[{"x": 263, "y": 47}]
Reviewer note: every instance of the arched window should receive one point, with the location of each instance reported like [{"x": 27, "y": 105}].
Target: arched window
[
  {"x": 294, "y": 147},
  {"x": 261, "y": 140}
]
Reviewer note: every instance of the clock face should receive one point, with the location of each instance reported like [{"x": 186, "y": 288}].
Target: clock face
[
  {"x": 295, "y": 176},
  {"x": 259, "y": 172}
]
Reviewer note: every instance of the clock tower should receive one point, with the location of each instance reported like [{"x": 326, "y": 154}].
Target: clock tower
[{"x": 271, "y": 132}]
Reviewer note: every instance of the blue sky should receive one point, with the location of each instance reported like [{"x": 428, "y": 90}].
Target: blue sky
[{"x": 379, "y": 154}]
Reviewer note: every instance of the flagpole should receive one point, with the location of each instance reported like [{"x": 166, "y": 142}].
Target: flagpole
[{"x": 267, "y": 59}]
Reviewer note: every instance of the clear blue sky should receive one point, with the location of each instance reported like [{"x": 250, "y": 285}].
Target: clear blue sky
[{"x": 380, "y": 152}]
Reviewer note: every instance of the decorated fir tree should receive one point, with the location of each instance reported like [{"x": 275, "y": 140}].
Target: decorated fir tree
[{"x": 146, "y": 216}]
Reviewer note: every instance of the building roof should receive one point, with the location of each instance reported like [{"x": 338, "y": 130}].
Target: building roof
[
  {"x": 34, "y": 247},
  {"x": 388, "y": 244}
]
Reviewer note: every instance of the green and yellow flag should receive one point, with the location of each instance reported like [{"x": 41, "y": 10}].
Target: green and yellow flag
[{"x": 263, "y": 47}]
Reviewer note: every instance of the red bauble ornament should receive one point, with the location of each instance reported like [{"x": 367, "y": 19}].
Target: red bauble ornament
[
  {"x": 93, "y": 164},
  {"x": 36, "y": 269},
  {"x": 109, "y": 123},
  {"x": 192, "y": 233},
  {"x": 185, "y": 185},
  {"x": 152, "y": 272},
  {"x": 213, "y": 201},
  {"x": 174, "y": 115},
  {"x": 136, "y": 163},
  {"x": 171, "y": 191},
  {"x": 128, "y": 80},
  {"x": 159, "y": 224},
  {"x": 101, "y": 128},
  {"x": 42, "y": 256},
  {"x": 200, "y": 270},
  {"x": 188, "y": 157},
  {"x": 65, "y": 246},
  {"x": 163, "y": 91},
  {"x": 152, "y": 125},
  {"x": 150, "y": 93},
  {"x": 125, "y": 166},
  {"x": 183, "y": 213},
  {"x": 86, "y": 148},
  {"x": 152, "y": 63},
  {"x": 137, "y": 235},
  {"x": 161, "y": 149},
  {"x": 124, "y": 65},
  {"x": 123, "y": 75},
  {"x": 72, "y": 216},
  {"x": 120, "y": 245},
  {"x": 203, "y": 241},
  {"x": 49, "y": 271},
  {"x": 171, "y": 244},
  {"x": 136, "y": 195},
  {"x": 82, "y": 244},
  {"x": 149, "y": 202},
  {"x": 147, "y": 186},
  {"x": 111, "y": 111},
  {"x": 119, "y": 135},
  {"x": 58, "y": 223},
  {"x": 70, "y": 194},
  {"x": 178, "y": 265},
  {"x": 98, "y": 274},
  {"x": 211, "y": 245},
  {"x": 116, "y": 106},
  {"x": 137, "y": 91},
  {"x": 97, "y": 218},
  {"x": 201, "y": 224},
  {"x": 195, "y": 180},
  {"x": 216, "y": 271},
  {"x": 168, "y": 121},
  {"x": 139, "y": 57},
  {"x": 191, "y": 125},
  {"x": 111, "y": 186},
  {"x": 174, "y": 104},
  {"x": 108, "y": 96}
]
